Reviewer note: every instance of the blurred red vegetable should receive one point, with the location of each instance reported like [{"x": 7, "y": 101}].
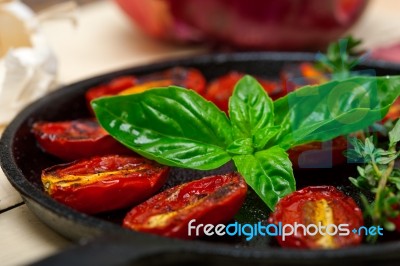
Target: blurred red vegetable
[
  {"x": 319, "y": 154},
  {"x": 114, "y": 87},
  {"x": 296, "y": 76},
  {"x": 189, "y": 78},
  {"x": 394, "y": 111},
  {"x": 254, "y": 24},
  {"x": 219, "y": 90}
]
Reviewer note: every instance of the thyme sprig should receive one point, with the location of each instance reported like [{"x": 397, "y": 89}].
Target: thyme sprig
[{"x": 380, "y": 177}]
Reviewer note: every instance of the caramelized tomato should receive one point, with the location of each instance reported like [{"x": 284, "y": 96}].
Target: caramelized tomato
[
  {"x": 295, "y": 76},
  {"x": 76, "y": 139},
  {"x": 103, "y": 184},
  {"x": 319, "y": 154},
  {"x": 394, "y": 111},
  {"x": 320, "y": 205},
  {"x": 211, "y": 200},
  {"x": 114, "y": 87},
  {"x": 219, "y": 90},
  {"x": 189, "y": 78}
]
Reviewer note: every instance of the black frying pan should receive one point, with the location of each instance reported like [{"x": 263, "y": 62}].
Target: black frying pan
[{"x": 22, "y": 162}]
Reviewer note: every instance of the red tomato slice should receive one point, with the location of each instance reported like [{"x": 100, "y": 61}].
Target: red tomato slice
[
  {"x": 211, "y": 200},
  {"x": 295, "y": 76},
  {"x": 114, "y": 87},
  {"x": 396, "y": 222},
  {"x": 189, "y": 78},
  {"x": 319, "y": 204},
  {"x": 146, "y": 86},
  {"x": 219, "y": 90},
  {"x": 76, "y": 139},
  {"x": 103, "y": 184},
  {"x": 394, "y": 111},
  {"x": 319, "y": 154}
]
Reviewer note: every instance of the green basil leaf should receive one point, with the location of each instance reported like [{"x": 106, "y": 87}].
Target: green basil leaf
[
  {"x": 264, "y": 137},
  {"x": 241, "y": 147},
  {"x": 251, "y": 111},
  {"x": 173, "y": 126},
  {"x": 320, "y": 113},
  {"x": 394, "y": 134},
  {"x": 269, "y": 173}
]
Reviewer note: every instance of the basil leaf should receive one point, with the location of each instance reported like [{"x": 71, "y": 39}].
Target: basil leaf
[
  {"x": 251, "y": 111},
  {"x": 269, "y": 173},
  {"x": 320, "y": 113},
  {"x": 241, "y": 147},
  {"x": 394, "y": 134},
  {"x": 173, "y": 126}
]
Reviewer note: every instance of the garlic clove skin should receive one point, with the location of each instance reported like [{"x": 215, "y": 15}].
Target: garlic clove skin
[
  {"x": 13, "y": 32},
  {"x": 28, "y": 67}
]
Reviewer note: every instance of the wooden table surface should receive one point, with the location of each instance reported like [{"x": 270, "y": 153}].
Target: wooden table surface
[{"x": 104, "y": 41}]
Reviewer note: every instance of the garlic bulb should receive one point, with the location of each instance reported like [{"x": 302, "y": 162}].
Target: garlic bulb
[{"x": 27, "y": 65}]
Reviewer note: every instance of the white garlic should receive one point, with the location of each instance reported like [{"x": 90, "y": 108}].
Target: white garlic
[{"x": 27, "y": 65}]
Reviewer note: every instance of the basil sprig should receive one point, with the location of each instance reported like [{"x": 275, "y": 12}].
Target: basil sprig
[{"x": 177, "y": 127}]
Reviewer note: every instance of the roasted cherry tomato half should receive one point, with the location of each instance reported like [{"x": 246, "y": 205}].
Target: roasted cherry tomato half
[
  {"x": 103, "y": 184},
  {"x": 219, "y": 90},
  {"x": 189, "y": 78},
  {"x": 211, "y": 200},
  {"x": 295, "y": 76},
  {"x": 319, "y": 154},
  {"x": 115, "y": 86},
  {"x": 396, "y": 222},
  {"x": 76, "y": 139},
  {"x": 146, "y": 86},
  {"x": 394, "y": 111},
  {"x": 329, "y": 213}
]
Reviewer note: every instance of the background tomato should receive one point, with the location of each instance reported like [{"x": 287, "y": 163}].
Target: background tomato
[
  {"x": 219, "y": 90},
  {"x": 115, "y": 86},
  {"x": 394, "y": 111},
  {"x": 299, "y": 75},
  {"x": 319, "y": 154},
  {"x": 76, "y": 139},
  {"x": 189, "y": 78}
]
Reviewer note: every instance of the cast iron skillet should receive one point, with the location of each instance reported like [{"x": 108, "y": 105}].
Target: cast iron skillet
[{"x": 22, "y": 162}]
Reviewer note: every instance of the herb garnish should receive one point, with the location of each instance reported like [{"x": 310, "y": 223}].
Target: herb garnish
[
  {"x": 378, "y": 176},
  {"x": 340, "y": 57},
  {"x": 177, "y": 127}
]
